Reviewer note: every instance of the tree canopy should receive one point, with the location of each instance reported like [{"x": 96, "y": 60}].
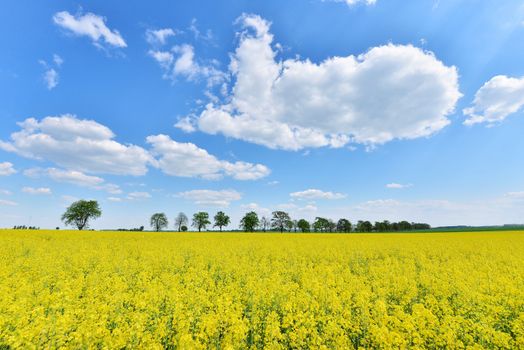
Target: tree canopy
[
  {"x": 80, "y": 212},
  {"x": 158, "y": 221},
  {"x": 201, "y": 220},
  {"x": 221, "y": 220},
  {"x": 249, "y": 222},
  {"x": 180, "y": 220},
  {"x": 281, "y": 221}
]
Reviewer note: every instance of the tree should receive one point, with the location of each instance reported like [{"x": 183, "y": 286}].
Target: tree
[
  {"x": 158, "y": 221},
  {"x": 249, "y": 222},
  {"x": 80, "y": 212},
  {"x": 180, "y": 220},
  {"x": 321, "y": 224},
  {"x": 364, "y": 226},
  {"x": 201, "y": 220},
  {"x": 281, "y": 220},
  {"x": 303, "y": 225},
  {"x": 265, "y": 223},
  {"x": 294, "y": 225},
  {"x": 343, "y": 225},
  {"x": 221, "y": 220}
]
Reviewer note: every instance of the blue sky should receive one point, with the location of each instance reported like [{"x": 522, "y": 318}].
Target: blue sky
[{"x": 359, "y": 109}]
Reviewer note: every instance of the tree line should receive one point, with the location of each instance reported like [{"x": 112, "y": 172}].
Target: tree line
[{"x": 81, "y": 212}]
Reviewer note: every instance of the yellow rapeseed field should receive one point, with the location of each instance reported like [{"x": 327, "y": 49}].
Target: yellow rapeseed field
[{"x": 145, "y": 290}]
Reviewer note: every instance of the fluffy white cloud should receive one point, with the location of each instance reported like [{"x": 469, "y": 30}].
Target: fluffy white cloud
[
  {"x": 495, "y": 100},
  {"x": 36, "y": 191},
  {"x": 316, "y": 194},
  {"x": 185, "y": 124},
  {"x": 6, "y": 168},
  {"x": 395, "y": 185},
  {"x": 138, "y": 195},
  {"x": 180, "y": 62},
  {"x": 390, "y": 92},
  {"x": 7, "y": 202},
  {"x": 79, "y": 144},
  {"x": 159, "y": 36},
  {"x": 74, "y": 177},
  {"x": 261, "y": 211},
  {"x": 51, "y": 78},
  {"x": 188, "y": 160},
  {"x": 58, "y": 60},
  {"x": 90, "y": 25},
  {"x": 211, "y": 198}
]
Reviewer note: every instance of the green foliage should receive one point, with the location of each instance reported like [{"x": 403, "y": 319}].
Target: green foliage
[
  {"x": 281, "y": 221},
  {"x": 321, "y": 224},
  {"x": 201, "y": 220},
  {"x": 303, "y": 225},
  {"x": 183, "y": 228},
  {"x": 249, "y": 222},
  {"x": 80, "y": 212},
  {"x": 158, "y": 221},
  {"x": 221, "y": 220},
  {"x": 343, "y": 225}
]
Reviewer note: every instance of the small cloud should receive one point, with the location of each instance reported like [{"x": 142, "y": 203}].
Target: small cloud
[
  {"x": 37, "y": 191},
  {"x": 6, "y": 202},
  {"x": 316, "y": 194},
  {"x": 213, "y": 198},
  {"x": 58, "y": 60},
  {"x": 395, "y": 185},
  {"x": 186, "y": 124},
  {"x": 138, "y": 195},
  {"x": 159, "y": 36},
  {"x": 6, "y": 169},
  {"x": 114, "y": 199},
  {"x": 273, "y": 183},
  {"x": 5, "y": 192}
]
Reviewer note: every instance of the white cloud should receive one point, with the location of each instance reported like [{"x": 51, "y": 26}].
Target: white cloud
[
  {"x": 495, "y": 100},
  {"x": 395, "y": 185},
  {"x": 90, "y": 25},
  {"x": 211, "y": 198},
  {"x": 159, "y": 36},
  {"x": 390, "y": 92},
  {"x": 57, "y": 60},
  {"x": 114, "y": 199},
  {"x": 516, "y": 195},
  {"x": 7, "y": 202},
  {"x": 5, "y": 192},
  {"x": 36, "y": 191},
  {"x": 180, "y": 62},
  {"x": 261, "y": 211},
  {"x": 138, "y": 195},
  {"x": 186, "y": 124},
  {"x": 188, "y": 160},
  {"x": 51, "y": 78},
  {"x": 79, "y": 144},
  {"x": 6, "y": 168},
  {"x": 316, "y": 194},
  {"x": 355, "y": 2}
]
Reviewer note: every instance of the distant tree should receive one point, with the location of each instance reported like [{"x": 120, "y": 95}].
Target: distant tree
[
  {"x": 158, "y": 221},
  {"x": 180, "y": 220},
  {"x": 249, "y": 222},
  {"x": 183, "y": 228},
  {"x": 321, "y": 224},
  {"x": 80, "y": 212},
  {"x": 331, "y": 226},
  {"x": 201, "y": 220},
  {"x": 364, "y": 226},
  {"x": 303, "y": 225},
  {"x": 280, "y": 220},
  {"x": 294, "y": 225},
  {"x": 141, "y": 228},
  {"x": 404, "y": 226},
  {"x": 343, "y": 225},
  {"x": 221, "y": 220},
  {"x": 264, "y": 223}
]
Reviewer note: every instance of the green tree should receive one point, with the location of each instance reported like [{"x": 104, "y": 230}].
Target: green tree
[
  {"x": 303, "y": 225},
  {"x": 80, "y": 212},
  {"x": 201, "y": 220},
  {"x": 180, "y": 220},
  {"x": 221, "y": 220},
  {"x": 364, "y": 226},
  {"x": 281, "y": 220},
  {"x": 158, "y": 221},
  {"x": 249, "y": 222},
  {"x": 321, "y": 224},
  {"x": 343, "y": 225}
]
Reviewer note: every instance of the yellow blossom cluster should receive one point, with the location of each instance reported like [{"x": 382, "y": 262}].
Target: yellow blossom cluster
[{"x": 143, "y": 290}]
